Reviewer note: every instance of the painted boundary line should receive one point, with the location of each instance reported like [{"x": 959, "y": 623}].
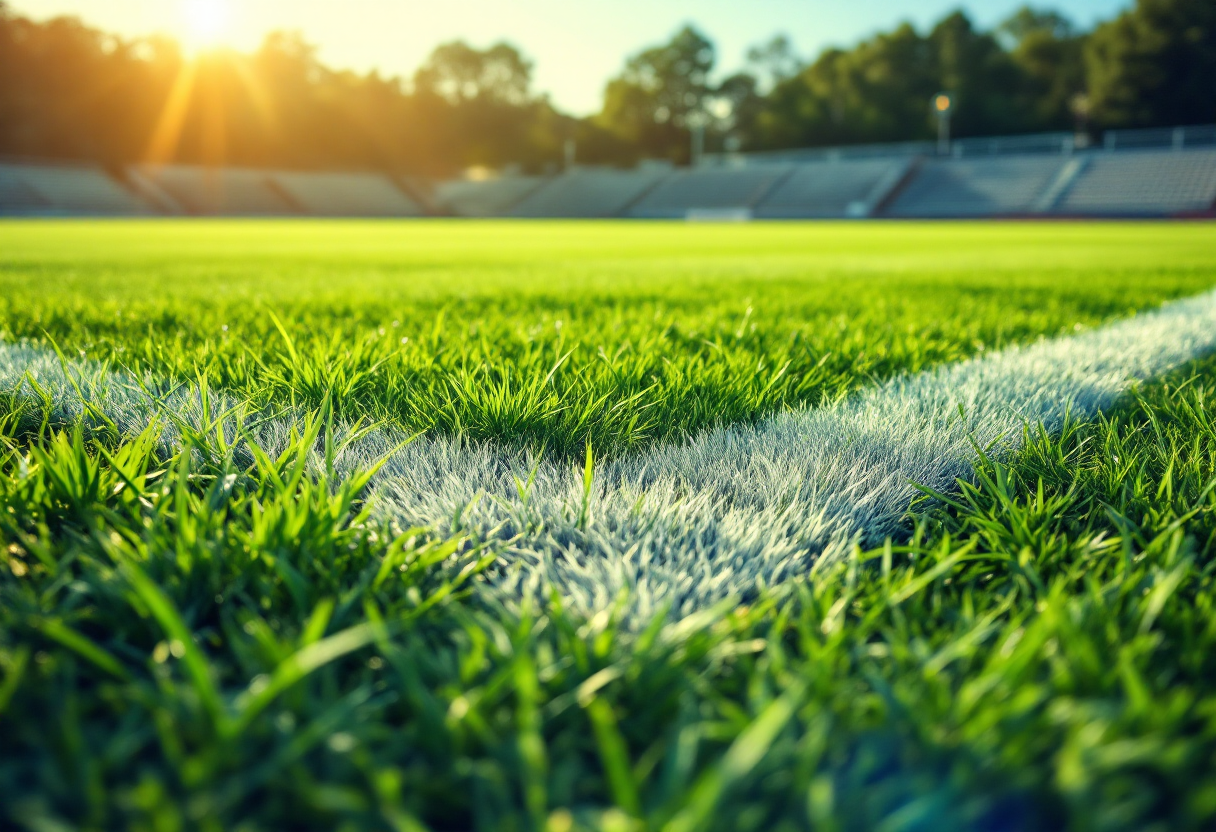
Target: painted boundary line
[
  {"x": 728, "y": 512},
  {"x": 740, "y": 508}
]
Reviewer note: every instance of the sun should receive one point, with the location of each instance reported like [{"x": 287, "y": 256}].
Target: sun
[{"x": 206, "y": 22}]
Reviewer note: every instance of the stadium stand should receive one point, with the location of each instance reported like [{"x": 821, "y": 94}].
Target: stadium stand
[
  {"x": 847, "y": 188},
  {"x": 226, "y": 191},
  {"x": 688, "y": 192},
  {"x": 1067, "y": 176},
  {"x": 17, "y": 198},
  {"x": 589, "y": 192},
  {"x": 1146, "y": 173},
  {"x": 1143, "y": 183},
  {"x": 347, "y": 195},
  {"x": 994, "y": 186},
  {"x": 63, "y": 189},
  {"x": 487, "y": 198}
]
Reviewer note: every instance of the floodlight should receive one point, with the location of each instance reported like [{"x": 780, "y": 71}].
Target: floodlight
[{"x": 942, "y": 105}]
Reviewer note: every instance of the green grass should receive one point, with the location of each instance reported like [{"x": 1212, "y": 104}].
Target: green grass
[
  {"x": 188, "y": 642},
  {"x": 551, "y": 334}
]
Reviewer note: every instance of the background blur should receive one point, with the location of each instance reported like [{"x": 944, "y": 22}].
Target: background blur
[{"x": 200, "y": 94}]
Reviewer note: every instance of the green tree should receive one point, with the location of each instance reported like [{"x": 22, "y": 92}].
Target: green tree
[
  {"x": 983, "y": 77},
  {"x": 1028, "y": 21},
  {"x": 733, "y": 110},
  {"x": 877, "y": 92},
  {"x": 1049, "y": 51},
  {"x": 478, "y": 108},
  {"x": 661, "y": 91},
  {"x": 459, "y": 73},
  {"x": 1155, "y": 65},
  {"x": 71, "y": 91},
  {"x": 774, "y": 61}
]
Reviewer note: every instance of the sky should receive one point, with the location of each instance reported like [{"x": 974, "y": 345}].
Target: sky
[{"x": 576, "y": 45}]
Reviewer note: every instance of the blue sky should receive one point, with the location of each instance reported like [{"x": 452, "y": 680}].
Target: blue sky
[{"x": 576, "y": 44}]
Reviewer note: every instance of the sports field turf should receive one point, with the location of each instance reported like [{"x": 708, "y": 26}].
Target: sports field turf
[{"x": 203, "y": 629}]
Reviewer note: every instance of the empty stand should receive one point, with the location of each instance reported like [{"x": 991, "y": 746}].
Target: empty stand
[
  {"x": 17, "y": 198},
  {"x": 45, "y": 189},
  {"x": 589, "y": 193},
  {"x": 215, "y": 191},
  {"x": 347, "y": 195},
  {"x": 833, "y": 189},
  {"x": 709, "y": 189},
  {"x": 994, "y": 186},
  {"x": 1154, "y": 179},
  {"x": 1143, "y": 183},
  {"x": 488, "y": 198}
]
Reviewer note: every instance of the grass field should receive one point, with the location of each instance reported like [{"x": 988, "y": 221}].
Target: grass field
[{"x": 201, "y": 629}]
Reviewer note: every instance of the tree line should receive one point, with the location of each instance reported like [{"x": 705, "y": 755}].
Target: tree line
[{"x": 70, "y": 91}]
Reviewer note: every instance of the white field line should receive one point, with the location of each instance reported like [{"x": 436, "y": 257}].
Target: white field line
[
  {"x": 82, "y": 389},
  {"x": 735, "y": 509},
  {"x": 740, "y": 508}
]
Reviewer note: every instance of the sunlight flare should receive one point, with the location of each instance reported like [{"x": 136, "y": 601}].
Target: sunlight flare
[{"x": 207, "y": 22}]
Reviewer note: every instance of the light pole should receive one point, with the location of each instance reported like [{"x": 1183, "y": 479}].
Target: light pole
[
  {"x": 943, "y": 104},
  {"x": 1081, "y": 106},
  {"x": 696, "y": 127}
]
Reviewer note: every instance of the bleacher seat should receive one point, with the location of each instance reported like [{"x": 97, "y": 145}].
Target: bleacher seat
[
  {"x": 589, "y": 193},
  {"x": 832, "y": 188},
  {"x": 1140, "y": 183},
  {"x": 994, "y": 186},
  {"x": 347, "y": 195},
  {"x": 1160, "y": 181},
  {"x": 63, "y": 190},
  {"x": 16, "y": 197},
  {"x": 487, "y": 198},
  {"x": 220, "y": 191},
  {"x": 709, "y": 189}
]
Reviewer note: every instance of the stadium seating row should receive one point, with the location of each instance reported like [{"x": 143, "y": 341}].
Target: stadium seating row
[
  {"x": 1151, "y": 182},
  {"x": 67, "y": 190},
  {"x": 64, "y": 190},
  {"x": 1141, "y": 183},
  {"x": 230, "y": 191}
]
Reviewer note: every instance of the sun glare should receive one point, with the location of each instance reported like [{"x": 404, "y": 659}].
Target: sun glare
[{"x": 206, "y": 22}]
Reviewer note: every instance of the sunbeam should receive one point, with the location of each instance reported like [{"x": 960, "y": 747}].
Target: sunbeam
[{"x": 165, "y": 137}]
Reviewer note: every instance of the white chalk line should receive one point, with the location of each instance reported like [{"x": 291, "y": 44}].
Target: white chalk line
[{"x": 728, "y": 513}]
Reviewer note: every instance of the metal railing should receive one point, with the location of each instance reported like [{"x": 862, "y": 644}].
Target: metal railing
[
  {"x": 819, "y": 154},
  {"x": 1064, "y": 144},
  {"x": 1176, "y": 138}
]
